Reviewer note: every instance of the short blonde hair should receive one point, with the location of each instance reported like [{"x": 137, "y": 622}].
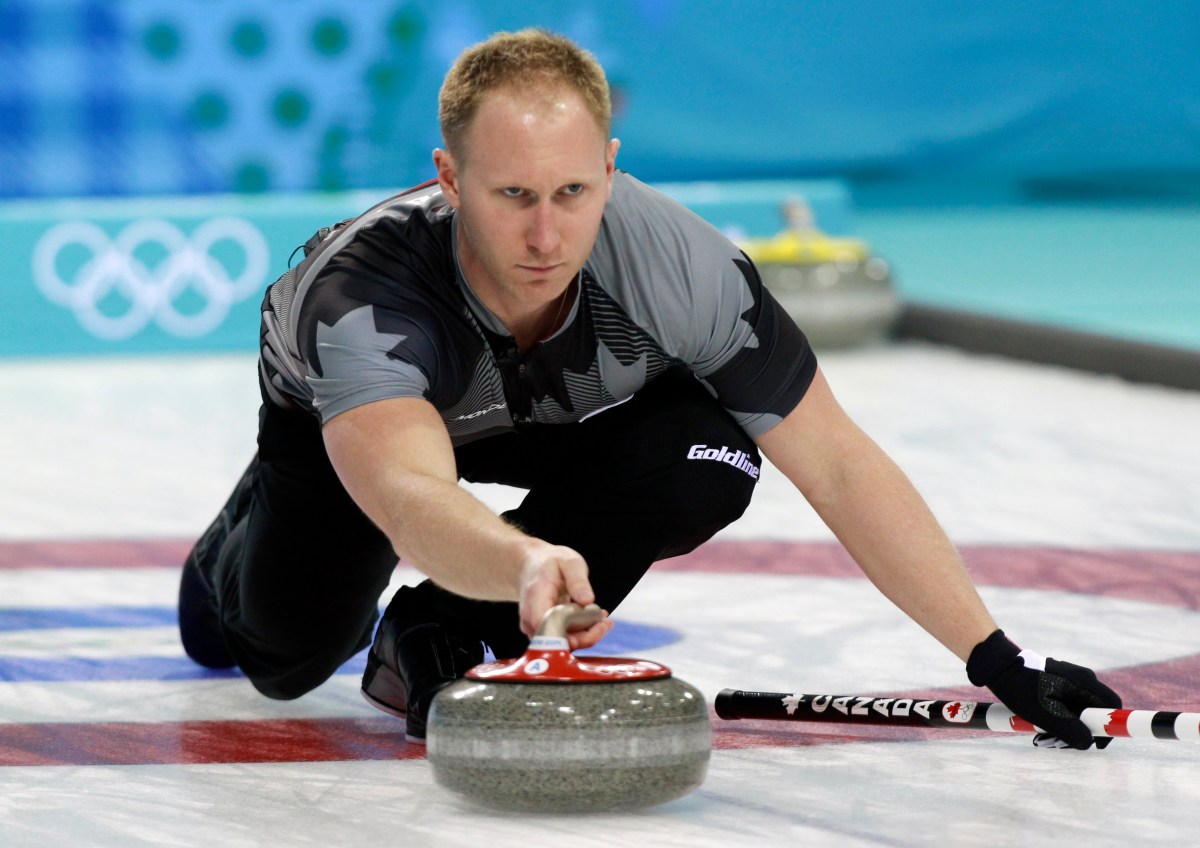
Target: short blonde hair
[{"x": 532, "y": 60}]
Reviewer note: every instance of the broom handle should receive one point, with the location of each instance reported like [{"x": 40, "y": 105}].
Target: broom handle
[{"x": 922, "y": 712}]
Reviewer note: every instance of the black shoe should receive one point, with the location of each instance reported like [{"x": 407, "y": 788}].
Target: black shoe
[
  {"x": 407, "y": 667},
  {"x": 199, "y": 617}
]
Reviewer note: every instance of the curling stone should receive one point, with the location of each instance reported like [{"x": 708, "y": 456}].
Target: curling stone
[
  {"x": 836, "y": 290},
  {"x": 552, "y": 732}
]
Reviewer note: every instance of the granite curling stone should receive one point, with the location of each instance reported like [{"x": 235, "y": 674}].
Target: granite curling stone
[
  {"x": 836, "y": 290},
  {"x": 551, "y": 732}
]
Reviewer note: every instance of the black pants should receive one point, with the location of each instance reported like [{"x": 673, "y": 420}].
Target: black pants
[{"x": 299, "y": 578}]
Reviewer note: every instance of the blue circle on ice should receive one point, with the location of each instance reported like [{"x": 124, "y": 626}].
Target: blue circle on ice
[{"x": 628, "y": 637}]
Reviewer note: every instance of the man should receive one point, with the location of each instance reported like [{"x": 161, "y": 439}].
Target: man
[{"x": 539, "y": 319}]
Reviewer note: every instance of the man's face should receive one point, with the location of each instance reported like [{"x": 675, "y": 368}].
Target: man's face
[{"x": 529, "y": 187}]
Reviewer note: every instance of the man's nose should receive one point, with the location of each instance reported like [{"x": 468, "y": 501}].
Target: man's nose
[{"x": 543, "y": 234}]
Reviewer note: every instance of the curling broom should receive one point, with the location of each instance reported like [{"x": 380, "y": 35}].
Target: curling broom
[{"x": 920, "y": 712}]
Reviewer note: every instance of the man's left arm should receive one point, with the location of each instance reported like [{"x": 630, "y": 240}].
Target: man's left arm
[
  {"x": 878, "y": 516},
  {"x": 886, "y": 526}
]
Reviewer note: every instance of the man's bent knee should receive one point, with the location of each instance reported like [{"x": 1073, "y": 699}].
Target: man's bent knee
[{"x": 286, "y": 681}]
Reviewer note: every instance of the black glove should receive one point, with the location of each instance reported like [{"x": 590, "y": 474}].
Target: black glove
[{"x": 1045, "y": 692}]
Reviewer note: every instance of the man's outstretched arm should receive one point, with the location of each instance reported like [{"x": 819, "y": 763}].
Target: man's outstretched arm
[
  {"x": 396, "y": 460},
  {"x": 877, "y": 514}
]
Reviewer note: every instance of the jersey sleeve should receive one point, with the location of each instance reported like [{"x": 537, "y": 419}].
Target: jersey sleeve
[
  {"x": 356, "y": 361},
  {"x": 702, "y": 299},
  {"x": 368, "y": 327},
  {"x": 764, "y": 378}
]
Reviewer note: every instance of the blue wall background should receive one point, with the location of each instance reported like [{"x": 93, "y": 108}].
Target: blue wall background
[
  {"x": 160, "y": 159},
  {"x": 202, "y": 96}
]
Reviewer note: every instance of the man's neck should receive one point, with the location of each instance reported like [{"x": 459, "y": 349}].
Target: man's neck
[{"x": 530, "y": 328}]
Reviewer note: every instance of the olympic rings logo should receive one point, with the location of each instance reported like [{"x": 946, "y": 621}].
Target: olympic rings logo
[{"x": 141, "y": 276}]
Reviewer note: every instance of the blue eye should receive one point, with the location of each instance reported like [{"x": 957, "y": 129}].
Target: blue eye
[
  {"x": 573, "y": 188},
  {"x": 513, "y": 191}
]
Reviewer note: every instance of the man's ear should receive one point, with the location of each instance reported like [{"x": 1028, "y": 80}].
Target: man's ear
[
  {"x": 610, "y": 164},
  {"x": 447, "y": 175}
]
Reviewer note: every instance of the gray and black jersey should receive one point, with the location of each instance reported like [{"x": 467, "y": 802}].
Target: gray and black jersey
[{"x": 379, "y": 309}]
